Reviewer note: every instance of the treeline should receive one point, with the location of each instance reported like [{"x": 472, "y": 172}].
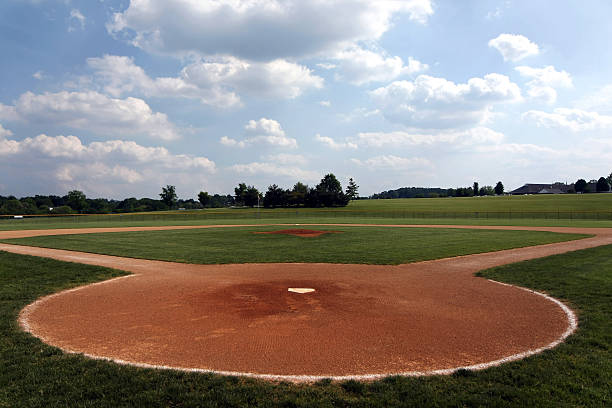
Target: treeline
[
  {"x": 426, "y": 192},
  {"x": 411, "y": 192},
  {"x": 328, "y": 193},
  {"x": 75, "y": 202}
]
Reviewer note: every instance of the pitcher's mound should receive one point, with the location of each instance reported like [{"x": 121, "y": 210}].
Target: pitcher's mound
[{"x": 298, "y": 232}]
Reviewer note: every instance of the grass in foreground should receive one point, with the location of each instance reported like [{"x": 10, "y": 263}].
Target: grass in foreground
[
  {"x": 577, "y": 373},
  {"x": 368, "y": 245}
]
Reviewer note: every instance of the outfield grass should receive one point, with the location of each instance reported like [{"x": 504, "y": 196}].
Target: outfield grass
[
  {"x": 576, "y": 373},
  {"x": 580, "y": 210},
  {"x": 368, "y": 245}
]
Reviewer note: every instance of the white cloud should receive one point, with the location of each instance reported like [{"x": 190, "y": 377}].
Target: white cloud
[
  {"x": 470, "y": 137},
  {"x": 217, "y": 81},
  {"x": 4, "y": 133},
  {"x": 360, "y": 66},
  {"x": 262, "y": 131},
  {"x": 325, "y": 104},
  {"x": 331, "y": 143},
  {"x": 38, "y": 75},
  {"x": 77, "y": 20},
  {"x": 293, "y": 173},
  {"x": 436, "y": 103},
  {"x": 259, "y": 29},
  {"x": 109, "y": 167},
  {"x": 91, "y": 111},
  {"x": 544, "y": 81},
  {"x": 286, "y": 158},
  {"x": 514, "y": 47},
  {"x": 576, "y": 120},
  {"x": 600, "y": 101},
  {"x": 393, "y": 162}
]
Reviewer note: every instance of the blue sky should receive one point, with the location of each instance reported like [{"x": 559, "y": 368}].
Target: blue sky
[{"x": 120, "y": 97}]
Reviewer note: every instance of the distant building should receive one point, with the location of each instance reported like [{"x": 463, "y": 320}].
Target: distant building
[{"x": 555, "y": 188}]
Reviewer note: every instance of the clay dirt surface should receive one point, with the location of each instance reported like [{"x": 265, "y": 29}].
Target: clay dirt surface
[{"x": 361, "y": 319}]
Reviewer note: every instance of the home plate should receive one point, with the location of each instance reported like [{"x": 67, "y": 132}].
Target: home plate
[{"x": 301, "y": 290}]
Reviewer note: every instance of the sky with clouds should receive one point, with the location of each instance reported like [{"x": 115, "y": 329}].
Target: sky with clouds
[{"x": 120, "y": 97}]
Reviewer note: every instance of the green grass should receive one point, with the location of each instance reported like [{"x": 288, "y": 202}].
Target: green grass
[
  {"x": 576, "y": 373},
  {"x": 374, "y": 245},
  {"x": 523, "y": 203},
  {"x": 580, "y": 210}
]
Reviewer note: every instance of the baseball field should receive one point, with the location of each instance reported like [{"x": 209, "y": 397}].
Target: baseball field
[{"x": 196, "y": 309}]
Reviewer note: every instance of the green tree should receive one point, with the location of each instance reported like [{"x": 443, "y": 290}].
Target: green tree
[
  {"x": 275, "y": 197},
  {"x": 240, "y": 193},
  {"x": 602, "y": 185},
  {"x": 351, "y": 189},
  {"x": 609, "y": 179},
  {"x": 580, "y": 186},
  {"x": 499, "y": 188},
  {"x": 475, "y": 189},
  {"x": 328, "y": 192},
  {"x": 204, "y": 198},
  {"x": 251, "y": 196},
  {"x": 76, "y": 200},
  {"x": 297, "y": 196},
  {"x": 168, "y": 195}
]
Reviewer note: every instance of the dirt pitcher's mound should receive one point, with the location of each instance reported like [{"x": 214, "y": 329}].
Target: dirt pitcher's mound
[{"x": 298, "y": 232}]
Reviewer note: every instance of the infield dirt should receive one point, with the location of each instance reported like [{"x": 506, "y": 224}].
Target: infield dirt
[{"x": 361, "y": 320}]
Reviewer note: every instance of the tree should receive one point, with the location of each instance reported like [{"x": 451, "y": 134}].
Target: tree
[
  {"x": 351, "y": 189},
  {"x": 76, "y": 200},
  {"x": 609, "y": 179},
  {"x": 499, "y": 188},
  {"x": 168, "y": 195},
  {"x": 602, "y": 185},
  {"x": 328, "y": 192},
  {"x": 251, "y": 196},
  {"x": 475, "y": 189},
  {"x": 297, "y": 196},
  {"x": 275, "y": 197},
  {"x": 580, "y": 186},
  {"x": 204, "y": 198},
  {"x": 240, "y": 193}
]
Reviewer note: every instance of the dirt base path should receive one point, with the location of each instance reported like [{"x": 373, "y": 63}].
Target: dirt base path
[{"x": 362, "y": 321}]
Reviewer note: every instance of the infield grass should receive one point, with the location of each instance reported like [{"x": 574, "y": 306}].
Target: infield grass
[
  {"x": 367, "y": 245},
  {"x": 577, "y": 373}
]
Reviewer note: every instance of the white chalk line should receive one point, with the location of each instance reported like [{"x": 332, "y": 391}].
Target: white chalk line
[{"x": 570, "y": 315}]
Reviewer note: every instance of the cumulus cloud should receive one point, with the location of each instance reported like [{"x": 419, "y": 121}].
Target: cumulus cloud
[
  {"x": 576, "y": 120},
  {"x": 514, "y": 47},
  {"x": 600, "y": 101},
  {"x": 263, "y": 131},
  {"x": 360, "y": 66},
  {"x": 214, "y": 81},
  {"x": 252, "y": 29},
  {"x": 437, "y": 103},
  {"x": 64, "y": 162},
  {"x": 544, "y": 81},
  {"x": 289, "y": 172},
  {"x": 393, "y": 162},
  {"x": 77, "y": 20},
  {"x": 91, "y": 111},
  {"x": 332, "y": 144},
  {"x": 470, "y": 137},
  {"x": 286, "y": 158}
]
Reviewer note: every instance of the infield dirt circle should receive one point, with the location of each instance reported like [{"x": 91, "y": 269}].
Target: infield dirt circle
[{"x": 361, "y": 321}]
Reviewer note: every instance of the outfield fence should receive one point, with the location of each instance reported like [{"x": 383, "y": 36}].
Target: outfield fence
[{"x": 305, "y": 214}]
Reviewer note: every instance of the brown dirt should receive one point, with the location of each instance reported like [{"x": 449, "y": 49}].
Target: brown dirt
[
  {"x": 298, "y": 232},
  {"x": 362, "y": 319}
]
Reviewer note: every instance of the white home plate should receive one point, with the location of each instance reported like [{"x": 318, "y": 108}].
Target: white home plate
[{"x": 301, "y": 290}]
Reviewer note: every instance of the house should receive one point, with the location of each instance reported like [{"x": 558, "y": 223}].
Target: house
[{"x": 555, "y": 188}]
